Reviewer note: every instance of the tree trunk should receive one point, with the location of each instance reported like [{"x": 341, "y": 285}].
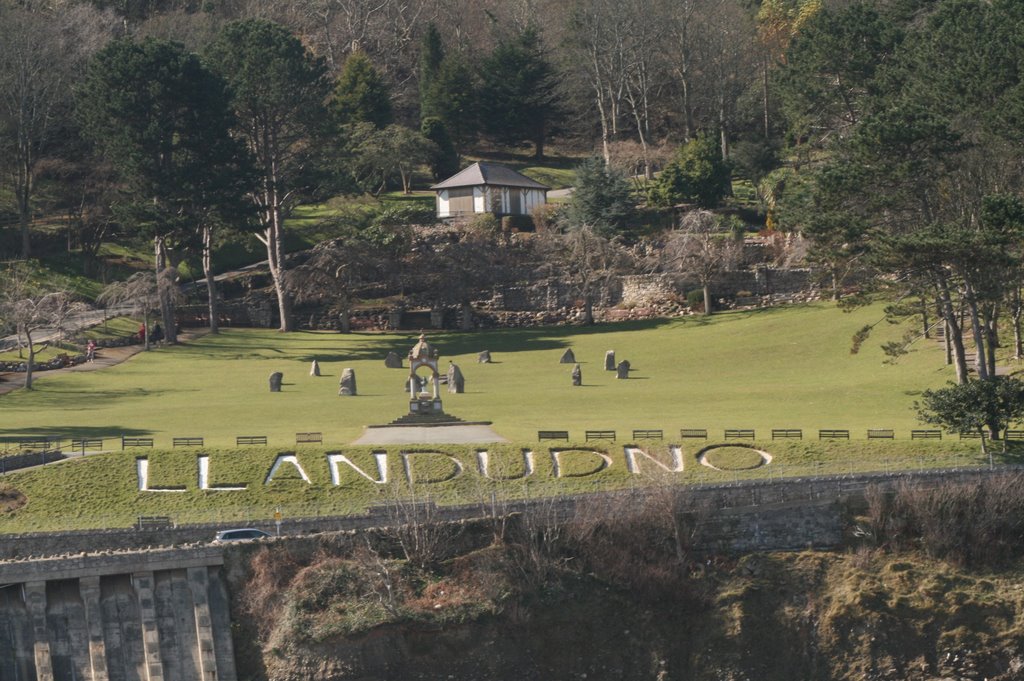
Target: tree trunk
[
  {"x": 344, "y": 323},
  {"x": 23, "y": 192},
  {"x": 707, "y": 300},
  {"x": 466, "y": 323},
  {"x": 145, "y": 331},
  {"x": 991, "y": 322},
  {"x": 1018, "y": 342},
  {"x": 980, "y": 363},
  {"x": 166, "y": 304},
  {"x": 211, "y": 284},
  {"x": 275, "y": 256},
  {"x": 588, "y": 311},
  {"x": 953, "y": 330},
  {"x": 924, "y": 318},
  {"x": 31, "y": 359},
  {"x": 764, "y": 85}
]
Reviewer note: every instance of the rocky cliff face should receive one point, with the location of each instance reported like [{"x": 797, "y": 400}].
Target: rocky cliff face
[{"x": 505, "y": 612}]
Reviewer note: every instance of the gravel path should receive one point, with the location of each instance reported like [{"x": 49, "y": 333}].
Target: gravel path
[{"x": 436, "y": 435}]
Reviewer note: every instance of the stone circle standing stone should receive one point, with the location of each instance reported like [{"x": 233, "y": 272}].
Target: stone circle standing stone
[
  {"x": 577, "y": 375},
  {"x": 314, "y": 369},
  {"x": 456, "y": 381},
  {"x": 347, "y": 385},
  {"x": 567, "y": 357},
  {"x": 609, "y": 360},
  {"x": 393, "y": 361},
  {"x": 484, "y": 357},
  {"x": 622, "y": 370},
  {"x": 275, "y": 381}
]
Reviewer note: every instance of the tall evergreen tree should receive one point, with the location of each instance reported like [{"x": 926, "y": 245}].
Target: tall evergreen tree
[
  {"x": 164, "y": 121},
  {"x": 431, "y": 56},
  {"x": 361, "y": 95},
  {"x": 278, "y": 90},
  {"x": 602, "y": 199},
  {"x": 518, "y": 97}
]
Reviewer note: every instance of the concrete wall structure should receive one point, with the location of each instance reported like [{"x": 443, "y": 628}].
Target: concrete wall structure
[
  {"x": 146, "y": 616},
  {"x": 162, "y": 614}
]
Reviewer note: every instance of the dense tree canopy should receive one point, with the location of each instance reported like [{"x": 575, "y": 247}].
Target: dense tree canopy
[{"x": 518, "y": 94}]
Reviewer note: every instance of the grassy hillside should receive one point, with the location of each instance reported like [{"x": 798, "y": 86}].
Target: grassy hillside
[
  {"x": 776, "y": 368},
  {"x": 103, "y": 490},
  {"x": 780, "y": 368}
]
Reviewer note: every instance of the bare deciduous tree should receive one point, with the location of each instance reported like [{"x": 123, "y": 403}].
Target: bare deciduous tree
[
  {"x": 698, "y": 249},
  {"x": 29, "y": 310},
  {"x": 41, "y": 54},
  {"x": 142, "y": 291},
  {"x": 586, "y": 261}
]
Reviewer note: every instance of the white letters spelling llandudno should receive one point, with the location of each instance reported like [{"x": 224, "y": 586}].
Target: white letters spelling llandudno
[{"x": 587, "y": 462}]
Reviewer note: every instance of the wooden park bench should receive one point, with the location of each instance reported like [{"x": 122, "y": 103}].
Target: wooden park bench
[
  {"x": 153, "y": 522},
  {"x": 1014, "y": 434},
  {"x": 787, "y": 434},
  {"x": 643, "y": 434},
  {"x": 136, "y": 442},
  {"x": 38, "y": 444},
  {"x": 972, "y": 435},
  {"x": 251, "y": 440},
  {"x": 600, "y": 435},
  {"x": 926, "y": 435},
  {"x": 187, "y": 442},
  {"x": 739, "y": 433},
  {"x": 693, "y": 433},
  {"x": 552, "y": 435},
  {"x": 833, "y": 434},
  {"x": 80, "y": 444},
  {"x": 881, "y": 434},
  {"x": 308, "y": 438}
]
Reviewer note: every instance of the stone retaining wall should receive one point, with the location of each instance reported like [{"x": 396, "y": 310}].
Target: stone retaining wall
[{"x": 780, "y": 514}]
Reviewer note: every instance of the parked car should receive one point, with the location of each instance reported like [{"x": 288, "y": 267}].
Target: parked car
[{"x": 240, "y": 534}]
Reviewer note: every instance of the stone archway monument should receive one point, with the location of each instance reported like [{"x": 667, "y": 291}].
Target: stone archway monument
[
  {"x": 423, "y": 403},
  {"x": 426, "y": 422}
]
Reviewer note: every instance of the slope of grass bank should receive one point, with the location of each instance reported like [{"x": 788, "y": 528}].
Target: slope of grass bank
[{"x": 103, "y": 490}]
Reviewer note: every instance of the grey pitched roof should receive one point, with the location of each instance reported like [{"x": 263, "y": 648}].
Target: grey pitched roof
[{"x": 490, "y": 174}]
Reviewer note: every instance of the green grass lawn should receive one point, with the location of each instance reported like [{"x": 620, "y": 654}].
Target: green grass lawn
[{"x": 776, "y": 368}]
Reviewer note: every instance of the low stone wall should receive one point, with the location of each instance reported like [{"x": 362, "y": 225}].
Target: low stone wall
[{"x": 780, "y": 514}]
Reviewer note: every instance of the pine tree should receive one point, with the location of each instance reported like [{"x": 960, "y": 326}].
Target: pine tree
[{"x": 361, "y": 95}]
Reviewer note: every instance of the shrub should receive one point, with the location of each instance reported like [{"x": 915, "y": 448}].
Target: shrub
[
  {"x": 698, "y": 175},
  {"x": 485, "y": 222},
  {"x": 546, "y": 217},
  {"x": 397, "y": 216},
  {"x": 695, "y": 299},
  {"x": 517, "y": 223}
]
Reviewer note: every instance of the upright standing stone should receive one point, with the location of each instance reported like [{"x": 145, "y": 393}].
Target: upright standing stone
[
  {"x": 609, "y": 360},
  {"x": 347, "y": 385},
  {"x": 275, "y": 381},
  {"x": 622, "y": 371},
  {"x": 577, "y": 375},
  {"x": 456, "y": 381},
  {"x": 567, "y": 357},
  {"x": 393, "y": 361},
  {"x": 314, "y": 369},
  {"x": 484, "y": 357}
]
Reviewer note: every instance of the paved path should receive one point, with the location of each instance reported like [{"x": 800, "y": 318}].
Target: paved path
[
  {"x": 434, "y": 435},
  {"x": 105, "y": 357},
  {"x": 75, "y": 322}
]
